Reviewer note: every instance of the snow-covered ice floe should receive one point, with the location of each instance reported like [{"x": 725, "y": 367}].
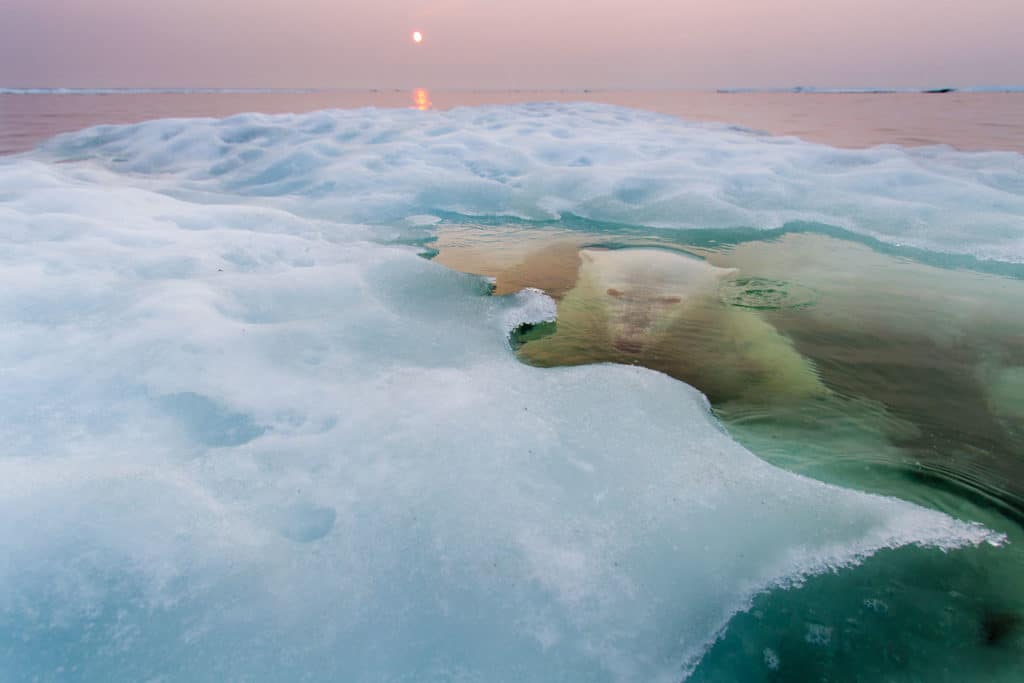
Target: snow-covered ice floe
[{"x": 245, "y": 434}]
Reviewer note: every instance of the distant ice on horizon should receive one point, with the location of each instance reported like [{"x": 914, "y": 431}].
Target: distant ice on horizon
[{"x": 724, "y": 90}]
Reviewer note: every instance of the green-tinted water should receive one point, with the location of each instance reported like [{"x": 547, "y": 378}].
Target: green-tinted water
[{"x": 839, "y": 361}]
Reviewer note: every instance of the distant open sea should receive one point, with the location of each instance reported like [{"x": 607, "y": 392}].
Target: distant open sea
[{"x": 965, "y": 120}]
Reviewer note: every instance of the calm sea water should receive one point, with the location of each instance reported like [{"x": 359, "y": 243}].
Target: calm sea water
[
  {"x": 828, "y": 356},
  {"x": 966, "y": 120}
]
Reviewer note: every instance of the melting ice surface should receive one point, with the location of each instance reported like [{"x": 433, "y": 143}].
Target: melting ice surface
[{"x": 244, "y": 433}]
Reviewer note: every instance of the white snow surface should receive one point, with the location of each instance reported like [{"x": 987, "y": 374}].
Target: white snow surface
[
  {"x": 245, "y": 436},
  {"x": 596, "y": 161}
]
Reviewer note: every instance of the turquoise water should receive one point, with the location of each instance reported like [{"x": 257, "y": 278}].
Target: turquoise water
[
  {"x": 904, "y": 615},
  {"x": 832, "y": 358}
]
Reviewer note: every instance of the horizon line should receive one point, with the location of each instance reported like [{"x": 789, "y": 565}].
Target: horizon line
[{"x": 796, "y": 89}]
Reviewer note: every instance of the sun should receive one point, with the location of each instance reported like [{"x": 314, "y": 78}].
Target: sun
[{"x": 417, "y": 37}]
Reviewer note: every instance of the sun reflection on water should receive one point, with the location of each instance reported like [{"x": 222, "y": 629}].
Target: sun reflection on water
[{"x": 421, "y": 99}]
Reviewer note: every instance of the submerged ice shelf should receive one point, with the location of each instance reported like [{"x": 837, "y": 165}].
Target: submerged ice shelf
[{"x": 246, "y": 434}]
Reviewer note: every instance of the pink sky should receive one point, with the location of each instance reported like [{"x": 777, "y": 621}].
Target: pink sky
[{"x": 521, "y": 44}]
